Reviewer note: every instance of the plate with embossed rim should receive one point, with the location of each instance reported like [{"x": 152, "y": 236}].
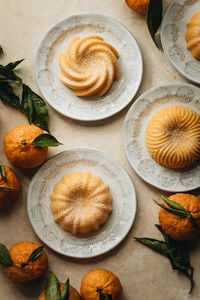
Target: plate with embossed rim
[
  {"x": 134, "y": 127},
  {"x": 119, "y": 222},
  {"x": 173, "y": 29},
  {"x": 60, "y": 97}
]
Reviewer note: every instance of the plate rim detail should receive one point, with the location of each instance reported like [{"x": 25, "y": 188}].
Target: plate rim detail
[
  {"x": 164, "y": 23},
  {"x": 125, "y": 144},
  {"x": 114, "y": 161},
  {"x": 67, "y": 113}
]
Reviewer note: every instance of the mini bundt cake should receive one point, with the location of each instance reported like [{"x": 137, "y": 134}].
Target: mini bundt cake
[
  {"x": 192, "y": 35},
  {"x": 89, "y": 66},
  {"x": 81, "y": 202},
  {"x": 173, "y": 137}
]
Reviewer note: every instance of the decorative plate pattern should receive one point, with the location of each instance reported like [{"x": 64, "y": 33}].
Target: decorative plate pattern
[
  {"x": 173, "y": 29},
  {"x": 134, "y": 127},
  {"x": 119, "y": 221},
  {"x": 47, "y": 69}
]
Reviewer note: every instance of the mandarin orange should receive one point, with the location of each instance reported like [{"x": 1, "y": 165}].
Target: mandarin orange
[
  {"x": 177, "y": 227},
  {"x": 18, "y": 150},
  {"x": 100, "y": 279},
  {"x": 7, "y": 196},
  {"x": 35, "y": 269},
  {"x": 140, "y": 6}
]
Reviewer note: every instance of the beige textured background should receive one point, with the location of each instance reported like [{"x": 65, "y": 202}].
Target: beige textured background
[{"x": 144, "y": 274}]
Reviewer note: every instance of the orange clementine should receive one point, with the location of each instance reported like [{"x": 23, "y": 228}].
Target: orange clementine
[
  {"x": 18, "y": 150},
  {"x": 140, "y": 6},
  {"x": 8, "y": 196},
  {"x": 100, "y": 279},
  {"x": 73, "y": 294},
  {"x": 177, "y": 227},
  {"x": 35, "y": 269}
]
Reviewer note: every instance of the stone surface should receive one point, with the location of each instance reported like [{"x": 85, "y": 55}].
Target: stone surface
[{"x": 143, "y": 273}]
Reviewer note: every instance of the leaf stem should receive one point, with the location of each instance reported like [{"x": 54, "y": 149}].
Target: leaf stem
[
  {"x": 3, "y": 172},
  {"x": 23, "y": 265},
  {"x": 191, "y": 280}
]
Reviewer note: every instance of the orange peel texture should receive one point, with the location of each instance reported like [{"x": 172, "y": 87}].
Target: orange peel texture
[
  {"x": 8, "y": 196},
  {"x": 81, "y": 202},
  {"x": 35, "y": 269},
  {"x": 192, "y": 35},
  {"x": 100, "y": 279},
  {"x": 173, "y": 137},
  {"x": 140, "y": 6},
  {"x": 18, "y": 150},
  {"x": 89, "y": 66},
  {"x": 177, "y": 227}
]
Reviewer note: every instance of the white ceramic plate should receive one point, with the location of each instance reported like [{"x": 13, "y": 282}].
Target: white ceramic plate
[
  {"x": 173, "y": 29},
  {"x": 119, "y": 221},
  {"x": 134, "y": 127},
  {"x": 62, "y": 98}
]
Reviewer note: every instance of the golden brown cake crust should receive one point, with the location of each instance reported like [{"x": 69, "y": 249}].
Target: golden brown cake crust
[
  {"x": 173, "y": 137},
  {"x": 81, "y": 202},
  {"x": 192, "y": 35},
  {"x": 89, "y": 66}
]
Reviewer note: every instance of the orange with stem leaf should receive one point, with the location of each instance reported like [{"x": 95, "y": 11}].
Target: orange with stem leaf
[
  {"x": 182, "y": 228},
  {"x": 26, "y": 270},
  {"x": 100, "y": 280},
  {"x": 18, "y": 148},
  {"x": 9, "y": 186}
]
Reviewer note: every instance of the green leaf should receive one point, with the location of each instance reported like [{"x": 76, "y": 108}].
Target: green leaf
[
  {"x": 173, "y": 211},
  {"x": 154, "y": 17},
  {"x": 180, "y": 260},
  {"x": 12, "y": 66},
  {"x": 7, "y": 95},
  {"x": 190, "y": 276},
  {"x": 103, "y": 296},
  {"x": 65, "y": 292},
  {"x": 174, "y": 204},
  {"x": 165, "y": 236},
  {"x": 158, "y": 246},
  {"x": 46, "y": 140},
  {"x": 176, "y": 252},
  {"x": 7, "y": 74},
  {"x": 6, "y": 188},
  {"x": 52, "y": 289},
  {"x": 3, "y": 172},
  {"x": 5, "y": 258},
  {"x": 27, "y": 103},
  {"x": 35, "y": 254},
  {"x": 35, "y": 108},
  {"x": 178, "y": 256},
  {"x": 177, "y": 206}
]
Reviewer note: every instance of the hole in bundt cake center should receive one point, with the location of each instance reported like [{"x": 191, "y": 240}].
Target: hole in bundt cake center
[
  {"x": 78, "y": 195},
  {"x": 176, "y": 133}
]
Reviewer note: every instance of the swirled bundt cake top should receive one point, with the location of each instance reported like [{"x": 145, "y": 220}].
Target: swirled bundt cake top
[
  {"x": 81, "y": 202},
  {"x": 173, "y": 136},
  {"x": 192, "y": 35},
  {"x": 89, "y": 66}
]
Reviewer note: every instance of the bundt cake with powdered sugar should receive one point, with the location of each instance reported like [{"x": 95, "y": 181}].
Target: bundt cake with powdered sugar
[{"x": 81, "y": 202}]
